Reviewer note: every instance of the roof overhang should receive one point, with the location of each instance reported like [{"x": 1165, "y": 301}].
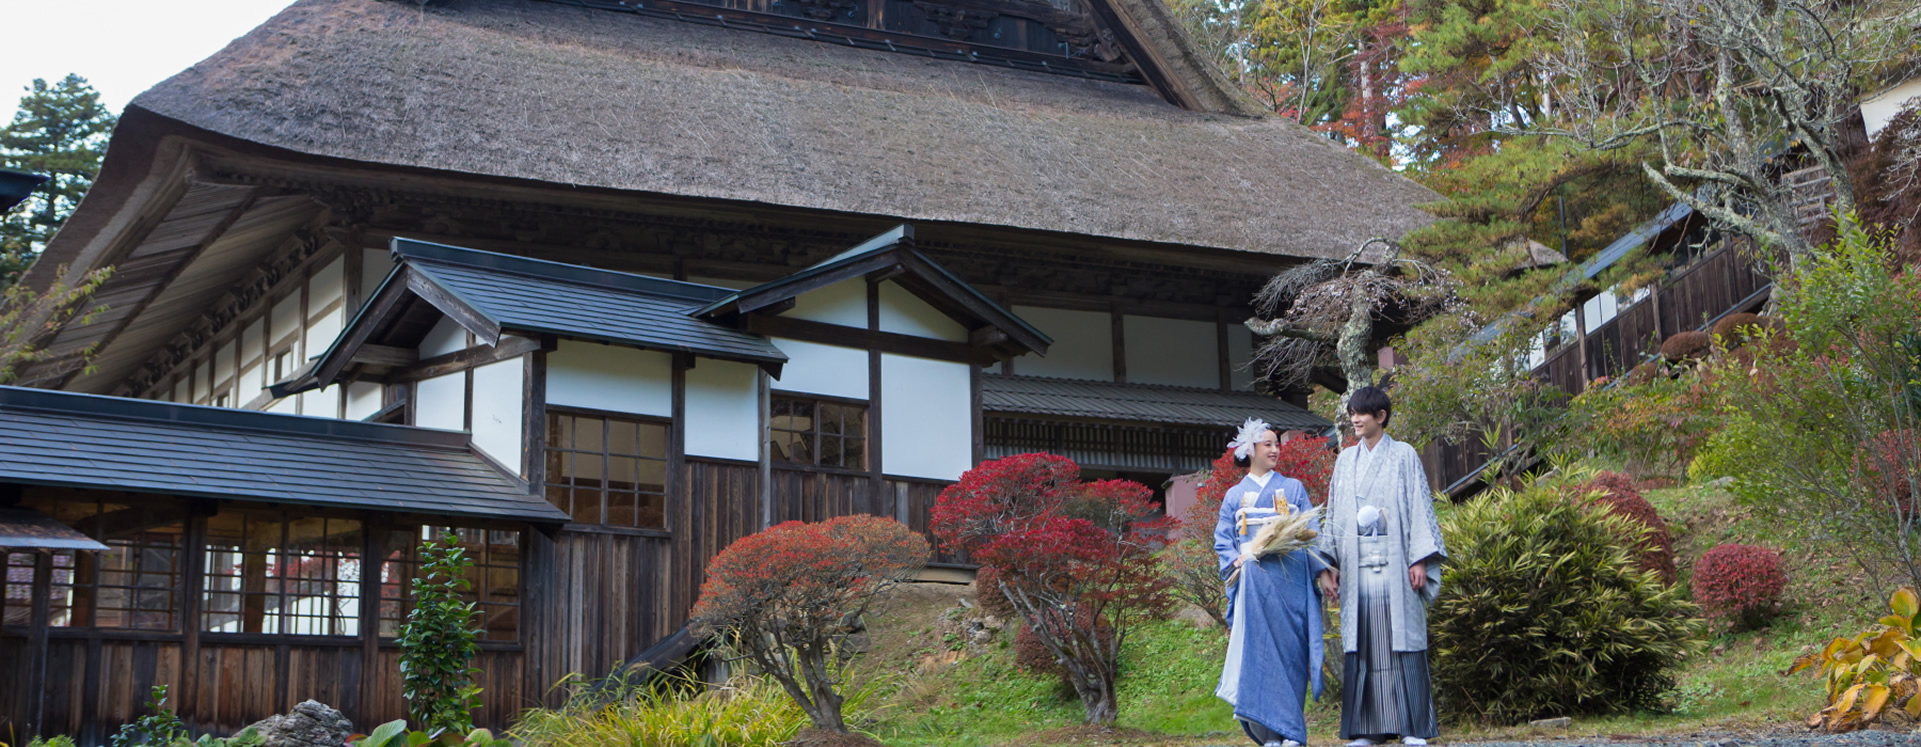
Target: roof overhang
[
  {"x": 891, "y": 256},
  {"x": 27, "y": 529}
]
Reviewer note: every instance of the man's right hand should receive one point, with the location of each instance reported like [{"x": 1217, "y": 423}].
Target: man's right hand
[{"x": 1331, "y": 585}]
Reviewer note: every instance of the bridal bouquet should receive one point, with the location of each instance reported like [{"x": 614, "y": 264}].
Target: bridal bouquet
[{"x": 1286, "y": 533}]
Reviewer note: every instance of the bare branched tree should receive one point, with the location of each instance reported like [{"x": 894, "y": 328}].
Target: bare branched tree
[
  {"x": 1725, "y": 88},
  {"x": 1324, "y": 314}
]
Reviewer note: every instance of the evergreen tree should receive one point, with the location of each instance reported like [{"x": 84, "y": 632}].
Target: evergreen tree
[{"x": 60, "y": 131}]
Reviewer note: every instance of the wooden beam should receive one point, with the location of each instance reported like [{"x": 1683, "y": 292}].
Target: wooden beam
[
  {"x": 462, "y": 360},
  {"x": 468, "y": 317},
  {"x": 1119, "y": 337},
  {"x": 876, "y": 480},
  {"x": 890, "y": 342},
  {"x": 40, "y": 619},
  {"x": 386, "y": 355}
]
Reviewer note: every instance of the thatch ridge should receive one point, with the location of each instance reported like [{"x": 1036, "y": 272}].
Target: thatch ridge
[{"x": 577, "y": 96}]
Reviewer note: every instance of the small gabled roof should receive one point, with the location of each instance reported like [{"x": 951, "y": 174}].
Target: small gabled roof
[
  {"x": 93, "y": 442},
  {"x": 893, "y": 254},
  {"x": 491, "y": 294}
]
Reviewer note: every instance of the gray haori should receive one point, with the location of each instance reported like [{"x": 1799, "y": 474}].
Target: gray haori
[{"x": 1391, "y": 480}]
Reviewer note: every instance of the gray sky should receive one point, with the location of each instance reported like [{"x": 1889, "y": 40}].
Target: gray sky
[{"x": 122, "y": 47}]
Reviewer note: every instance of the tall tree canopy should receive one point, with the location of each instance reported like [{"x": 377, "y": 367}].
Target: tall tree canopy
[{"x": 60, "y": 131}]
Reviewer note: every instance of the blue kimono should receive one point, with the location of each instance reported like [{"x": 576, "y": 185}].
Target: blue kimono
[{"x": 1274, "y": 608}]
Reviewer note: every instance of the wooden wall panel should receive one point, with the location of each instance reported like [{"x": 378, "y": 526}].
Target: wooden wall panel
[{"x": 596, "y": 599}]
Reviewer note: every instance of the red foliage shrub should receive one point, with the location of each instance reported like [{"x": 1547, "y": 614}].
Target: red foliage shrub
[
  {"x": 987, "y": 594},
  {"x": 1889, "y": 462},
  {"x": 1083, "y": 551},
  {"x": 792, "y": 586},
  {"x": 1740, "y": 585},
  {"x": 1686, "y": 346},
  {"x": 1310, "y": 461},
  {"x": 1653, "y": 551}
]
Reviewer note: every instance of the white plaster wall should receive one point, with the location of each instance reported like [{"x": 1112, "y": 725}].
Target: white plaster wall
[
  {"x": 926, "y": 419},
  {"x": 441, "y": 402},
  {"x": 285, "y": 319},
  {"x": 497, "y": 426},
  {"x": 606, "y": 377},
  {"x": 327, "y": 285},
  {"x": 363, "y": 399},
  {"x": 843, "y": 303},
  {"x": 1083, "y": 344},
  {"x": 223, "y": 361},
  {"x": 822, "y": 369},
  {"x": 446, "y": 337},
  {"x": 1240, "y": 351},
  {"x": 723, "y": 410},
  {"x": 903, "y": 312},
  {"x": 1877, "y": 110},
  {"x": 374, "y": 266},
  {"x": 321, "y": 403},
  {"x": 1180, "y": 352},
  {"x": 322, "y": 332}
]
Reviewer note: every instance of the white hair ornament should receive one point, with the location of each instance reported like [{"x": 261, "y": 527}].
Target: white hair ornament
[{"x": 1251, "y": 432}]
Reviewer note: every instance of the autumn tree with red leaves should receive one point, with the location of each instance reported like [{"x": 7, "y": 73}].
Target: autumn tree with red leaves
[
  {"x": 785, "y": 597},
  {"x": 1076, "y": 560}
]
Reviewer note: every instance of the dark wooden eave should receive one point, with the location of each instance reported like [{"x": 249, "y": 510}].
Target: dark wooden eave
[{"x": 891, "y": 256}]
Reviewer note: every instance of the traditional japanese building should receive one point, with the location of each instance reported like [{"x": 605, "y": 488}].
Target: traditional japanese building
[{"x": 602, "y": 287}]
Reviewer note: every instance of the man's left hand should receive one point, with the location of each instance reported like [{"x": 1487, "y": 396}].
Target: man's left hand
[{"x": 1417, "y": 575}]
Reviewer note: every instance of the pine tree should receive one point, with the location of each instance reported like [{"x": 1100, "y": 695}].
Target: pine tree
[{"x": 60, "y": 131}]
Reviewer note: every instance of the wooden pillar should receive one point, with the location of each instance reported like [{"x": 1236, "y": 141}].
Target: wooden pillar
[
  {"x": 1221, "y": 353},
  {"x": 373, "y": 552},
  {"x": 764, "y": 474},
  {"x": 876, "y": 483},
  {"x": 1120, "y": 344},
  {"x": 192, "y": 581},
  {"x": 41, "y": 618},
  {"x": 1580, "y": 343}
]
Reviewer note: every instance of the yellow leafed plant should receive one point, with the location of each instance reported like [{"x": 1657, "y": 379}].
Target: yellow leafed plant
[{"x": 1872, "y": 674}]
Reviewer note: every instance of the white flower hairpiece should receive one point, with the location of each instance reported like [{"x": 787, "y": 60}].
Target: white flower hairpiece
[{"x": 1251, "y": 432}]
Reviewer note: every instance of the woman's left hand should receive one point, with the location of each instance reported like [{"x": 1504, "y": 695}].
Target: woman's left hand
[{"x": 1417, "y": 575}]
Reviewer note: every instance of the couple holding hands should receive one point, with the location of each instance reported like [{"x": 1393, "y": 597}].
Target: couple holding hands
[{"x": 1376, "y": 552}]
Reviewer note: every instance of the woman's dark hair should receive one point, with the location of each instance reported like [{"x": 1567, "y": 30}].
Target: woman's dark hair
[
  {"x": 1246, "y": 460},
  {"x": 1371, "y": 399}
]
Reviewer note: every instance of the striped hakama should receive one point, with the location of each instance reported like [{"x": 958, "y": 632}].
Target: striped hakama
[{"x": 1384, "y": 693}]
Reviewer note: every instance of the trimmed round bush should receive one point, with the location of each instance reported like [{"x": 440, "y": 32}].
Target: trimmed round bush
[
  {"x": 987, "y": 594},
  {"x": 1543, "y": 612},
  {"x": 1736, "y": 330},
  {"x": 1686, "y": 346},
  {"x": 1739, "y": 585},
  {"x": 1653, "y": 549}
]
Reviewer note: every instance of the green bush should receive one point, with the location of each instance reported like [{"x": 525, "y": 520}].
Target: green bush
[
  {"x": 1544, "y": 612},
  {"x": 437, "y": 643},
  {"x": 159, "y": 728},
  {"x": 394, "y": 734}
]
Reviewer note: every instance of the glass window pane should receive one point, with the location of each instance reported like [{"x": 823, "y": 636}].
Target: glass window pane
[
  {"x": 854, "y": 454},
  {"x": 621, "y": 509},
  {"x": 623, "y": 437},
  {"x": 589, "y": 434},
  {"x": 830, "y": 418}
]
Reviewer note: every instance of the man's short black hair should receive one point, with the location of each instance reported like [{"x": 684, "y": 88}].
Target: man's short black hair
[{"x": 1371, "y": 399}]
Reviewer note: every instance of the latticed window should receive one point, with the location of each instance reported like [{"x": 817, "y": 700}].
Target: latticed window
[
  {"x": 133, "y": 585},
  {"x": 818, "y": 431},
  {"x": 493, "y": 581},
  {"x": 605, "y": 469},
  {"x": 268, "y": 573}
]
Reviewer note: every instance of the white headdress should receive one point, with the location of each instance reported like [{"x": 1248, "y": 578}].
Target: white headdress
[{"x": 1251, "y": 432}]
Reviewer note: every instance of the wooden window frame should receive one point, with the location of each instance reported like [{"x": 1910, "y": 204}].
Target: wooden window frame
[
  {"x": 551, "y": 476},
  {"x": 280, "y": 557},
  {"x": 866, "y": 435},
  {"x": 394, "y": 584}
]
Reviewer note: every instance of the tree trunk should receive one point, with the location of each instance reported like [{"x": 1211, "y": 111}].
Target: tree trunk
[{"x": 1351, "y": 350}]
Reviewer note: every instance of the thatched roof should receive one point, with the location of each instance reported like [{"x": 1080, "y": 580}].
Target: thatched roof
[{"x": 578, "y": 96}]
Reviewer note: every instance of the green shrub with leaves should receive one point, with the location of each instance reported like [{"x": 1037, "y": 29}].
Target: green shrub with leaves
[
  {"x": 437, "y": 643},
  {"x": 395, "y": 734},
  {"x": 161, "y": 727},
  {"x": 1815, "y": 428},
  {"x": 1545, "y": 612}
]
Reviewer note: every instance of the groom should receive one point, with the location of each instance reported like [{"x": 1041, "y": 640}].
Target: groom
[{"x": 1384, "y": 552}]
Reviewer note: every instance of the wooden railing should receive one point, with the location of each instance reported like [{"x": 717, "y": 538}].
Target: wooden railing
[{"x": 1692, "y": 297}]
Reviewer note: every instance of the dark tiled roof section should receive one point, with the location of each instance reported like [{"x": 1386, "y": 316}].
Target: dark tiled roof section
[
  {"x": 548, "y": 297},
  {"x": 24, "y": 528},
  {"x": 89, "y": 441},
  {"x": 1141, "y": 403}
]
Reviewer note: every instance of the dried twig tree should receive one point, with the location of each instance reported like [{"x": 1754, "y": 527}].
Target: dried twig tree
[{"x": 1329, "y": 313}]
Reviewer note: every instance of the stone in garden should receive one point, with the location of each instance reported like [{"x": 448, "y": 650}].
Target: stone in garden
[
  {"x": 1552, "y": 723},
  {"x": 310, "y": 724}
]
